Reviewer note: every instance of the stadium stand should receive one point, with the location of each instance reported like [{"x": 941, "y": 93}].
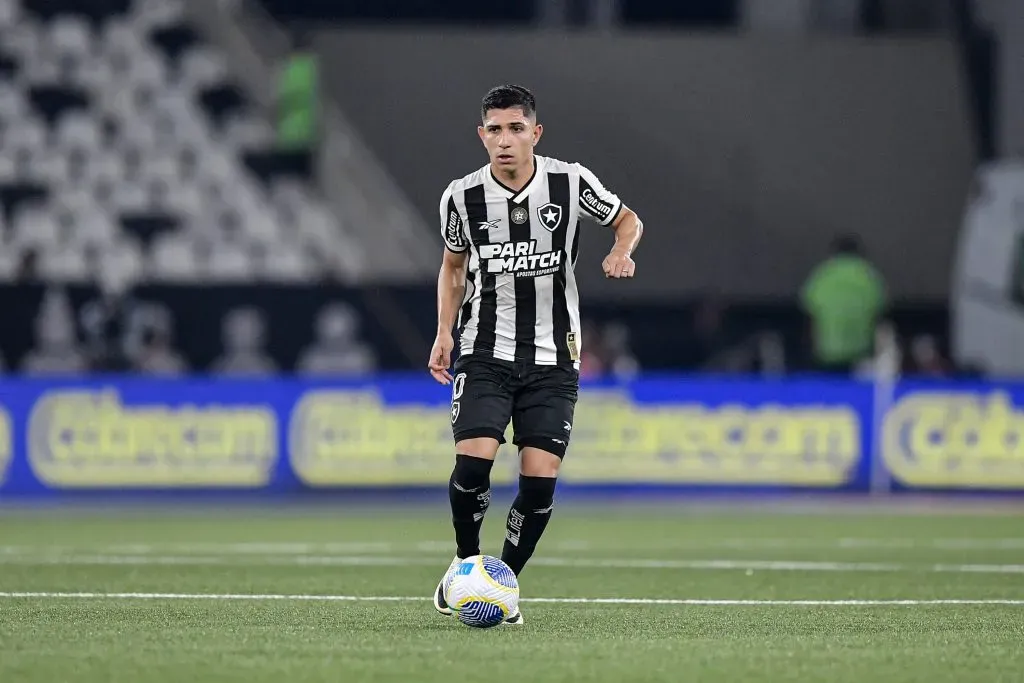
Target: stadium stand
[{"x": 127, "y": 150}]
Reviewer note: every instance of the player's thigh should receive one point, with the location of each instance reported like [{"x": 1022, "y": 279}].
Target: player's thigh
[
  {"x": 542, "y": 414},
  {"x": 481, "y": 403}
]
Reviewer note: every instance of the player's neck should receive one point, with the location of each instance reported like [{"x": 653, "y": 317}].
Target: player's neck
[{"x": 516, "y": 178}]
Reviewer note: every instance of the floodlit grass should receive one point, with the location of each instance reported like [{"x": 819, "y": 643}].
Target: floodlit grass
[{"x": 256, "y": 596}]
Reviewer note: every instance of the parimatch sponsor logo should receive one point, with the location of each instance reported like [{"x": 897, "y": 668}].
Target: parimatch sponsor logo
[{"x": 520, "y": 259}]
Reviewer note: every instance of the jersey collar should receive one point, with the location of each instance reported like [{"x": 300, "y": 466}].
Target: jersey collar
[{"x": 509, "y": 193}]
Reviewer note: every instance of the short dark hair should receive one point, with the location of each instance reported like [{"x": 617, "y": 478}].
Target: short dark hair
[{"x": 508, "y": 97}]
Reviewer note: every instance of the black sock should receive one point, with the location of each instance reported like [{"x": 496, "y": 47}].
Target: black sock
[
  {"x": 527, "y": 519},
  {"x": 469, "y": 491}
]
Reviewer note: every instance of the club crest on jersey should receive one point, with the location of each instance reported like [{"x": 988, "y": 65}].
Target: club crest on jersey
[
  {"x": 520, "y": 215},
  {"x": 550, "y": 216}
]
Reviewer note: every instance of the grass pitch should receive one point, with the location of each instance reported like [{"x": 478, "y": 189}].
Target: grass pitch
[{"x": 628, "y": 594}]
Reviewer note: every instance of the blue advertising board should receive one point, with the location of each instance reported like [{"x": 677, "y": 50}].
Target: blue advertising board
[
  {"x": 955, "y": 436},
  {"x": 392, "y": 432}
]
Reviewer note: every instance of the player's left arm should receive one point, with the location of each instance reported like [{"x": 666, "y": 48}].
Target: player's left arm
[
  {"x": 602, "y": 206},
  {"x": 628, "y": 230}
]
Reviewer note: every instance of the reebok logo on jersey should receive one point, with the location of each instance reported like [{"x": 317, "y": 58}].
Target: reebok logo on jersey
[
  {"x": 487, "y": 225},
  {"x": 520, "y": 259}
]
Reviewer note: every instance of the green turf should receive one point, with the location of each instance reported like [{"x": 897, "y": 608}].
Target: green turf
[{"x": 646, "y": 553}]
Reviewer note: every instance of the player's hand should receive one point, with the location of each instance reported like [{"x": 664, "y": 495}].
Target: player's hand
[
  {"x": 618, "y": 264},
  {"x": 441, "y": 357}
]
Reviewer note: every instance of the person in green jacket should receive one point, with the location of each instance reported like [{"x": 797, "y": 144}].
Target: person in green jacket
[
  {"x": 845, "y": 297},
  {"x": 298, "y": 98}
]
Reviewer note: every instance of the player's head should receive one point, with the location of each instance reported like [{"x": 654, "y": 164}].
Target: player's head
[{"x": 509, "y": 128}]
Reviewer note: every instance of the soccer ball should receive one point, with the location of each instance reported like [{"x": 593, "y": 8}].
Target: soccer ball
[{"x": 482, "y": 591}]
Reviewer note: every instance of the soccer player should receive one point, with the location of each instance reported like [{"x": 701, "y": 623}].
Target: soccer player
[{"x": 511, "y": 231}]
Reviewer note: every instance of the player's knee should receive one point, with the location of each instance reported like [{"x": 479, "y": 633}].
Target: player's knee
[
  {"x": 537, "y": 462},
  {"x": 484, "y": 447},
  {"x": 537, "y": 493},
  {"x": 471, "y": 472}
]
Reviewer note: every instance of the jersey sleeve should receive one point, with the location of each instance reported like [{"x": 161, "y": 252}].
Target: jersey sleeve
[
  {"x": 451, "y": 224},
  {"x": 596, "y": 201}
]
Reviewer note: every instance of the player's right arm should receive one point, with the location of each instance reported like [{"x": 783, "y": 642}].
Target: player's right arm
[{"x": 451, "y": 287}]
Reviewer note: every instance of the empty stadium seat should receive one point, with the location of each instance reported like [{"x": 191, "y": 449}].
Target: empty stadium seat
[
  {"x": 66, "y": 264},
  {"x": 284, "y": 264},
  {"x": 36, "y": 227},
  {"x": 10, "y": 12},
  {"x": 122, "y": 132},
  {"x": 230, "y": 263},
  {"x": 69, "y": 35},
  {"x": 8, "y": 169},
  {"x": 172, "y": 259},
  {"x": 9, "y": 258}
]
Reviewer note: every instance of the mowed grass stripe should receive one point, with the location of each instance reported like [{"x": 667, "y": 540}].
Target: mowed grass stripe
[
  {"x": 60, "y": 559},
  {"x": 566, "y": 601},
  {"x": 444, "y": 546}
]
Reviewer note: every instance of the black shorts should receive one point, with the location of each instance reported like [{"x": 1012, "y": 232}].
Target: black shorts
[{"x": 539, "y": 400}]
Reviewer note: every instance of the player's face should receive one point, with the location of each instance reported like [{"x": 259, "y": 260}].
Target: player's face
[{"x": 509, "y": 136}]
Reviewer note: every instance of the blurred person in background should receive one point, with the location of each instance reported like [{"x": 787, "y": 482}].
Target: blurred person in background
[
  {"x": 925, "y": 358},
  {"x": 155, "y": 353},
  {"x": 27, "y": 272},
  {"x": 244, "y": 338},
  {"x": 707, "y": 338},
  {"x": 298, "y": 102},
  {"x": 844, "y": 297},
  {"x": 337, "y": 349},
  {"x": 618, "y": 355},
  {"x": 57, "y": 351},
  {"x": 592, "y": 359},
  {"x": 711, "y": 346},
  {"x": 105, "y": 321},
  {"x": 886, "y": 358},
  {"x": 770, "y": 353}
]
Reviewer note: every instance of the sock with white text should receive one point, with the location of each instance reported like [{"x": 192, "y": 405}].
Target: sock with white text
[
  {"x": 469, "y": 491},
  {"x": 527, "y": 520}
]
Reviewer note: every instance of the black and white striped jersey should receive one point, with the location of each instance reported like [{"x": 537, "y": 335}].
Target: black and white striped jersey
[{"x": 521, "y": 300}]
